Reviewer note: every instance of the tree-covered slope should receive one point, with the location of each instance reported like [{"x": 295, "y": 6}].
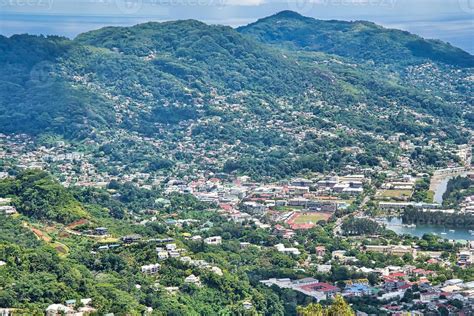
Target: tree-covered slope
[
  {"x": 214, "y": 89},
  {"x": 200, "y": 55},
  {"x": 37, "y": 195},
  {"x": 34, "y": 95},
  {"x": 358, "y": 39},
  {"x": 169, "y": 72},
  {"x": 45, "y": 262},
  {"x": 153, "y": 73}
]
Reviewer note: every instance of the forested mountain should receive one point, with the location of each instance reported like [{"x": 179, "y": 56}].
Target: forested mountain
[
  {"x": 35, "y": 97},
  {"x": 360, "y": 40},
  {"x": 264, "y": 87}
]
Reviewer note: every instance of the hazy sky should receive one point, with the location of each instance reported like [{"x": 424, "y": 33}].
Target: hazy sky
[{"x": 449, "y": 20}]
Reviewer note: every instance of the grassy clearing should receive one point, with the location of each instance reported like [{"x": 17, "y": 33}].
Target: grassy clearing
[
  {"x": 108, "y": 240},
  {"x": 395, "y": 194},
  {"x": 305, "y": 218}
]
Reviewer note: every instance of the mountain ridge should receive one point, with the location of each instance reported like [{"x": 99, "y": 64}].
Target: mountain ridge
[{"x": 288, "y": 27}]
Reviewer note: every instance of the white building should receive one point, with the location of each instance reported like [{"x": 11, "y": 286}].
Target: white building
[
  {"x": 282, "y": 248},
  {"x": 217, "y": 270},
  {"x": 214, "y": 240},
  {"x": 8, "y": 210},
  {"x": 171, "y": 247},
  {"x": 192, "y": 279},
  {"x": 151, "y": 268},
  {"x": 59, "y": 309},
  {"x": 162, "y": 255},
  {"x": 324, "y": 268}
]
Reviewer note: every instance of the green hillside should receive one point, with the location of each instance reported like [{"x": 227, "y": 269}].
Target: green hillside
[
  {"x": 34, "y": 96},
  {"x": 37, "y": 195},
  {"x": 184, "y": 79},
  {"x": 359, "y": 39},
  {"x": 37, "y": 271}
]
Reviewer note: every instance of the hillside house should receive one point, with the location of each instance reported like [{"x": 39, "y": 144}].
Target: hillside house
[
  {"x": 214, "y": 240},
  {"x": 151, "y": 268}
]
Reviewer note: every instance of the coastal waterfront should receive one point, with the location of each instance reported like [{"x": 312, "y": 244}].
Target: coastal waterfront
[{"x": 396, "y": 224}]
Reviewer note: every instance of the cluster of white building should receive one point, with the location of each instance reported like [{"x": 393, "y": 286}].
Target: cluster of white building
[
  {"x": 172, "y": 251},
  {"x": 291, "y": 250},
  {"x": 352, "y": 184},
  {"x": 6, "y": 208},
  {"x": 467, "y": 206},
  {"x": 202, "y": 264},
  {"x": 69, "y": 308}
]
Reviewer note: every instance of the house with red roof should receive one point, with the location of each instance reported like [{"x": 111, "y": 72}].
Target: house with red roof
[
  {"x": 226, "y": 207},
  {"x": 319, "y": 290},
  {"x": 432, "y": 261},
  {"x": 397, "y": 275},
  {"x": 392, "y": 308},
  {"x": 405, "y": 286},
  {"x": 422, "y": 272},
  {"x": 392, "y": 282},
  {"x": 284, "y": 232},
  {"x": 214, "y": 180}
]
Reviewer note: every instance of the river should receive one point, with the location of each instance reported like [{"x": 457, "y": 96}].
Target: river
[{"x": 395, "y": 224}]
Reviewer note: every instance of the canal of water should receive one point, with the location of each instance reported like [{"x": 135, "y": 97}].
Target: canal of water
[{"x": 442, "y": 184}]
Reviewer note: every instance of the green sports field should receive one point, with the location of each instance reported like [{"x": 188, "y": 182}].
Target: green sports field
[{"x": 304, "y": 218}]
